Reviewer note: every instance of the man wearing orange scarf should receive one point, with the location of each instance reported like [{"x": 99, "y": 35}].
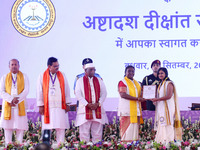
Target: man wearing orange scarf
[
  {"x": 53, "y": 95},
  {"x": 14, "y": 88},
  {"x": 91, "y": 93}
]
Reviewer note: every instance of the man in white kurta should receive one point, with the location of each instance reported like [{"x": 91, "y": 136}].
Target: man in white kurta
[
  {"x": 16, "y": 122},
  {"x": 58, "y": 117},
  {"x": 94, "y": 124}
]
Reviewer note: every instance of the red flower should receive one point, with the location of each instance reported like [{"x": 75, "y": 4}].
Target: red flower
[{"x": 105, "y": 145}]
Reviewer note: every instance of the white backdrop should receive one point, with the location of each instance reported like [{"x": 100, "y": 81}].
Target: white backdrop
[{"x": 70, "y": 41}]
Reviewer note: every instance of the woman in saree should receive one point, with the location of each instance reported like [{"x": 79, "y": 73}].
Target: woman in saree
[
  {"x": 129, "y": 109},
  {"x": 167, "y": 115}
]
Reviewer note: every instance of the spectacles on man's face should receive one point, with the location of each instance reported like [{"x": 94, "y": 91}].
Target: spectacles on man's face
[
  {"x": 91, "y": 69},
  {"x": 55, "y": 66}
]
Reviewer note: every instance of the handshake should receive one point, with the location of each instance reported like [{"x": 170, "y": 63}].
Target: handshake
[
  {"x": 15, "y": 101},
  {"x": 154, "y": 99},
  {"x": 149, "y": 99},
  {"x": 140, "y": 99}
]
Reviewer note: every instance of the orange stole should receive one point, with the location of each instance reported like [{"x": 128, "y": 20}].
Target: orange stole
[
  {"x": 46, "y": 78},
  {"x": 88, "y": 97},
  {"x": 20, "y": 88}
]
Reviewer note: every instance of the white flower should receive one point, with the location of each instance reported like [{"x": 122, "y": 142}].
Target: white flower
[
  {"x": 64, "y": 148},
  {"x": 177, "y": 143},
  {"x": 73, "y": 136},
  {"x": 195, "y": 141},
  {"x": 151, "y": 143},
  {"x": 26, "y": 144},
  {"x": 54, "y": 145},
  {"x": 191, "y": 140},
  {"x": 67, "y": 144},
  {"x": 31, "y": 148},
  {"x": 167, "y": 145},
  {"x": 72, "y": 123},
  {"x": 107, "y": 143},
  {"x": 187, "y": 148},
  {"x": 76, "y": 145},
  {"x": 38, "y": 119},
  {"x": 146, "y": 146},
  {"x": 89, "y": 143}
]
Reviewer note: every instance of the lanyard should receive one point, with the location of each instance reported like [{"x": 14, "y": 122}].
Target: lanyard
[
  {"x": 53, "y": 80},
  {"x": 14, "y": 81}
]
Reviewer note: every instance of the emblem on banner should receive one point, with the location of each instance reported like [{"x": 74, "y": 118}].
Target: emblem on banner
[
  {"x": 33, "y": 18},
  {"x": 167, "y": 1}
]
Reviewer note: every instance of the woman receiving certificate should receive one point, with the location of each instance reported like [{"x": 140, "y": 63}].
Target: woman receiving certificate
[
  {"x": 129, "y": 109},
  {"x": 167, "y": 116}
]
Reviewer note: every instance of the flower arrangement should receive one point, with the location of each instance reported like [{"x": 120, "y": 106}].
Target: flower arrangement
[{"x": 111, "y": 138}]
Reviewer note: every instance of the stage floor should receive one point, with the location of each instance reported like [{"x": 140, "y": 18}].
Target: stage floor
[{"x": 195, "y": 115}]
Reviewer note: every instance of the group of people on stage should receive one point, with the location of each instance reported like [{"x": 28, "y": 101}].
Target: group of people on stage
[{"x": 53, "y": 100}]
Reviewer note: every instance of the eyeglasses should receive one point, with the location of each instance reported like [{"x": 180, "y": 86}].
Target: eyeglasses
[
  {"x": 91, "y": 69},
  {"x": 56, "y": 66}
]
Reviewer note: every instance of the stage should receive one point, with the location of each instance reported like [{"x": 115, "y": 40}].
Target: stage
[
  {"x": 110, "y": 106},
  {"x": 194, "y": 115}
]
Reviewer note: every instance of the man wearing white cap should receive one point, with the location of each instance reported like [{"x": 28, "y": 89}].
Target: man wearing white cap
[
  {"x": 91, "y": 93},
  {"x": 84, "y": 62}
]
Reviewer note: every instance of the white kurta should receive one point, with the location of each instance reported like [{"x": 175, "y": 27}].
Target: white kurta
[
  {"x": 80, "y": 95},
  {"x": 58, "y": 116},
  {"x": 16, "y": 122}
]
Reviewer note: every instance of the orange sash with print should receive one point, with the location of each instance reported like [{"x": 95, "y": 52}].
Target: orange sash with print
[{"x": 46, "y": 78}]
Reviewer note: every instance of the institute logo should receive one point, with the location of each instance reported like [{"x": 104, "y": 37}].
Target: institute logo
[
  {"x": 33, "y": 18},
  {"x": 167, "y": 1}
]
